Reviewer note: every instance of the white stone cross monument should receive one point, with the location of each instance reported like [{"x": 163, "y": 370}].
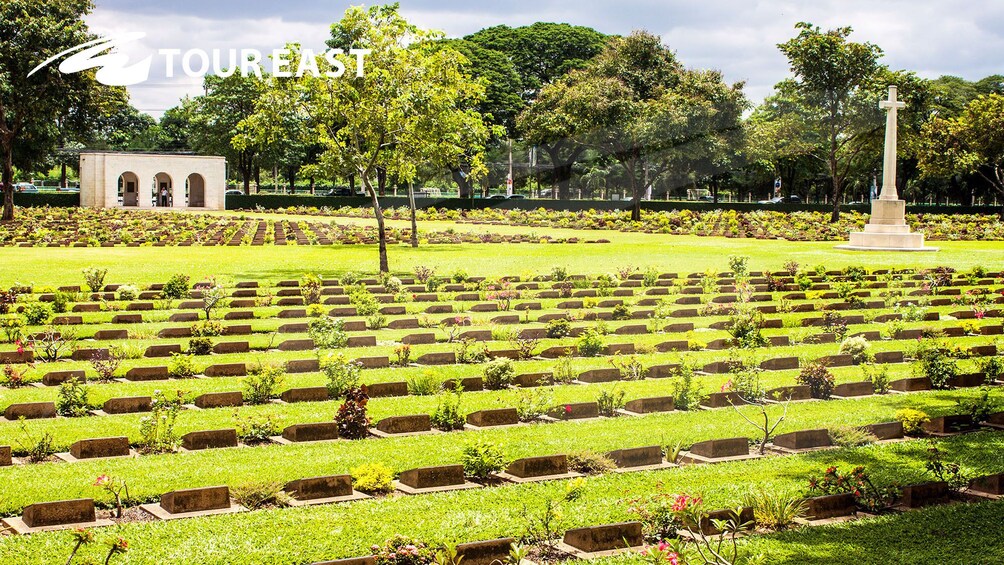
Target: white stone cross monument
[{"x": 886, "y": 229}]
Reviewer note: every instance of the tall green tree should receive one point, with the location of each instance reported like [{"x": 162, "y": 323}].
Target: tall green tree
[
  {"x": 215, "y": 119},
  {"x": 541, "y": 53},
  {"x": 636, "y": 103},
  {"x": 833, "y": 78},
  {"x": 972, "y": 142},
  {"x": 32, "y": 108},
  {"x": 412, "y": 107}
]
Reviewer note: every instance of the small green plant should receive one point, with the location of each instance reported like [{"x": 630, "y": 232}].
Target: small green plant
[
  {"x": 256, "y": 429},
  {"x": 366, "y": 304},
  {"x": 106, "y": 365},
  {"x": 342, "y": 374},
  {"x": 559, "y": 273},
  {"x": 213, "y": 296},
  {"x": 981, "y": 406},
  {"x": 310, "y": 288},
  {"x": 590, "y": 344},
  {"x": 935, "y": 363},
  {"x": 564, "y": 370},
  {"x": 425, "y": 384},
  {"x": 207, "y": 328},
  {"x": 13, "y": 326},
  {"x": 377, "y": 321},
  {"x": 849, "y": 436},
  {"x": 773, "y": 510},
  {"x": 400, "y": 550},
  {"x": 482, "y": 458},
  {"x": 37, "y": 313},
  {"x": 177, "y": 287},
  {"x": 181, "y": 366},
  {"x": 157, "y": 429},
  {"x": 72, "y": 399},
  {"x": 610, "y": 401},
  {"x": 879, "y": 377},
  {"x": 95, "y": 278},
  {"x": 856, "y": 347},
  {"x": 81, "y": 537},
  {"x": 499, "y": 374},
  {"x": 262, "y": 383},
  {"x": 402, "y": 355},
  {"x": 36, "y": 449},
  {"x": 686, "y": 390},
  {"x": 200, "y": 346},
  {"x": 447, "y": 416},
  {"x": 373, "y": 478},
  {"x": 328, "y": 332},
  {"x": 469, "y": 351},
  {"x": 991, "y": 367},
  {"x": 260, "y": 494},
  {"x": 533, "y": 403},
  {"x": 315, "y": 310},
  {"x": 945, "y": 471},
  {"x": 60, "y": 300},
  {"x": 913, "y": 421},
  {"x": 590, "y": 463}
]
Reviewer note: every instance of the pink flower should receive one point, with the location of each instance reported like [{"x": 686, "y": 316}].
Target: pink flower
[
  {"x": 568, "y": 409},
  {"x": 727, "y": 386},
  {"x": 102, "y": 480}
]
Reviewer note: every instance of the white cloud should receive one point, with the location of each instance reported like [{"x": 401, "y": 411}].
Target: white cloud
[{"x": 736, "y": 36}]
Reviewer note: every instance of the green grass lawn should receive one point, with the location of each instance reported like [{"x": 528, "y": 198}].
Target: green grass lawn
[
  {"x": 303, "y": 535},
  {"x": 959, "y": 533}
]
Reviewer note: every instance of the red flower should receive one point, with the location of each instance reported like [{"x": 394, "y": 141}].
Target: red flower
[{"x": 568, "y": 409}]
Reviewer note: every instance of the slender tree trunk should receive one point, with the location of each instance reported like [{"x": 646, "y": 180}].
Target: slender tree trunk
[
  {"x": 835, "y": 215},
  {"x": 8, "y": 185},
  {"x": 312, "y": 185},
  {"x": 414, "y": 221},
  {"x": 463, "y": 185},
  {"x": 381, "y": 231},
  {"x": 352, "y": 184},
  {"x": 62, "y": 176},
  {"x": 291, "y": 175},
  {"x": 257, "y": 177},
  {"x": 382, "y": 181}
]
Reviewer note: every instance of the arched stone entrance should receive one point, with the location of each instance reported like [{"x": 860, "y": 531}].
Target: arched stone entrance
[
  {"x": 195, "y": 189},
  {"x": 163, "y": 190},
  {"x": 128, "y": 189}
]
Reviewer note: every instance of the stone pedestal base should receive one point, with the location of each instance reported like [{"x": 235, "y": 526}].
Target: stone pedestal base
[{"x": 887, "y": 231}]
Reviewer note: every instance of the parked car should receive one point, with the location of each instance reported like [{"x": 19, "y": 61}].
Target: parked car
[
  {"x": 26, "y": 188},
  {"x": 706, "y": 198},
  {"x": 517, "y": 197},
  {"x": 234, "y": 192},
  {"x": 497, "y": 197},
  {"x": 793, "y": 199}
]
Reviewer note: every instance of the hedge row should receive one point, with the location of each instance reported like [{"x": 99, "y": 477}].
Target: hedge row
[{"x": 276, "y": 201}]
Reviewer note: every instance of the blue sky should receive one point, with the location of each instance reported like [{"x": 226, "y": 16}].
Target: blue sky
[{"x": 739, "y": 37}]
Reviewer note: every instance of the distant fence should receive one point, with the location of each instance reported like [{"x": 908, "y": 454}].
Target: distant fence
[{"x": 278, "y": 201}]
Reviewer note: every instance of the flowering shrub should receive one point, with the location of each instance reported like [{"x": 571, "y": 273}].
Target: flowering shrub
[
  {"x": 499, "y": 373},
  {"x": 157, "y": 429},
  {"x": 867, "y": 496},
  {"x": 115, "y": 487},
  {"x": 71, "y": 400},
  {"x": 400, "y": 550},
  {"x": 913, "y": 420}
]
